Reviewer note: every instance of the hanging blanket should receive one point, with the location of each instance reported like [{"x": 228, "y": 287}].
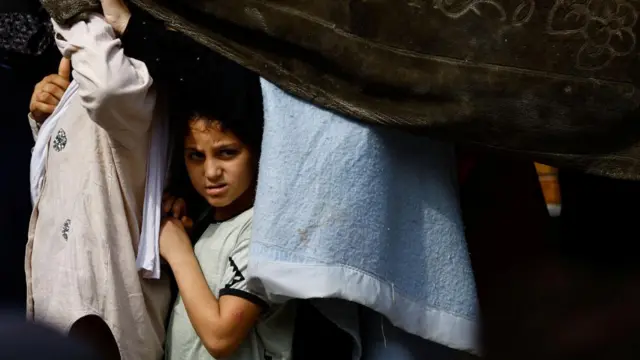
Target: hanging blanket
[
  {"x": 552, "y": 80},
  {"x": 351, "y": 211}
]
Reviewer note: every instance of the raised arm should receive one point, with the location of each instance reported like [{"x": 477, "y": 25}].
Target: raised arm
[
  {"x": 173, "y": 58},
  {"x": 113, "y": 88}
]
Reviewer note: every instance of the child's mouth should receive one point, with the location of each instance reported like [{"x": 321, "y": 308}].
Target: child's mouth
[{"x": 216, "y": 189}]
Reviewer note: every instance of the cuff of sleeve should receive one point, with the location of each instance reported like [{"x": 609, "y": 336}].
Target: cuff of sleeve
[
  {"x": 245, "y": 295},
  {"x": 35, "y": 126},
  {"x": 83, "y": 34}
]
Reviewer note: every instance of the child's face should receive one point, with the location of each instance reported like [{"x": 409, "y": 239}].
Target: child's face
[{"x": 220, "y": 166}]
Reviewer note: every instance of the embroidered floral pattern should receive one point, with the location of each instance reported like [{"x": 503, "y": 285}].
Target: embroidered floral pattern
[
  {"x": 520, "y": 15},
  {"x": 60, "y": 141},
  {"x": 65, "y": 229},
  {"x": 605, "y": 25}
]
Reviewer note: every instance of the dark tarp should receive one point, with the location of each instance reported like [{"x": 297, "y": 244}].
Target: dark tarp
[{"x": 553, "y": 80}]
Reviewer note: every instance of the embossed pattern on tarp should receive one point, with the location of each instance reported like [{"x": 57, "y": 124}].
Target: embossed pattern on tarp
[{"x": 555, "y": 80}]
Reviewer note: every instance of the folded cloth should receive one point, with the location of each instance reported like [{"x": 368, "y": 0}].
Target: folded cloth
[
  {"x": 41, "y": 148},
  {"x": 148, "y": 257},
  {"x": 351, "y": 211}
]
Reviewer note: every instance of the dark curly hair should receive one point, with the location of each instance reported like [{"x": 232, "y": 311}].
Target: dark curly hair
[{"x": 230, "y": 95}]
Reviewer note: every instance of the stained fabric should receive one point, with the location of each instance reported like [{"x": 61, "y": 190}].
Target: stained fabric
[
  {"x": 89, "y": 213},
  {"x": 348, "y": 211}
]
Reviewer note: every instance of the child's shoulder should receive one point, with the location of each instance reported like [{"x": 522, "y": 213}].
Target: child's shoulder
[
  {"x": 240, "y": 226},
  {"x": 245, "y": 217},
  {"x": 242, "y": 221}
]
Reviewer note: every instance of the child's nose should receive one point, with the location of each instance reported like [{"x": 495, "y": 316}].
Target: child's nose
[{"x": 212, "y": 169}]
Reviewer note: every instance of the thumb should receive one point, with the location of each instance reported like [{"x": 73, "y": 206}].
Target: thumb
[{"x": 65, "y": 68}]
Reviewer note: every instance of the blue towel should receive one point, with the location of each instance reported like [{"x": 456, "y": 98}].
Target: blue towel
[{"x": 370, "y": 215}]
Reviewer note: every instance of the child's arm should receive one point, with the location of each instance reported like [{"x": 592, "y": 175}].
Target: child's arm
[
  {"x": 174, "y": 59},
  {"x": 113, "y": 88},
  {"x": 221, "y": 324}
]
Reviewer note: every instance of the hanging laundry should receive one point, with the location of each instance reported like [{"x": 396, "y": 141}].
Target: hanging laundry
[
  {"x": 349, "y": 211},
  {"x": 88, "y": 210}
]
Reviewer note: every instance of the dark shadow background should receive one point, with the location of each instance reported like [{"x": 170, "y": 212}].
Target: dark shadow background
[{"x": 18, "y": 75}]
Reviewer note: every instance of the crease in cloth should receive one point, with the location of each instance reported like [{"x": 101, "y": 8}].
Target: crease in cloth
[
  {"x": 350, "y": 211},
  {"x": 148, "y": 256},
  {"x": 41, "y": 148}
]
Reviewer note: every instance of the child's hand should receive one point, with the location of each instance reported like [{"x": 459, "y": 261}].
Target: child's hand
[
  {"x": 48, "y": 92},
  {"x": 117, "y": 14},
  {"x": 174, "y": 241},
  {"x": 177, "y": 208}
]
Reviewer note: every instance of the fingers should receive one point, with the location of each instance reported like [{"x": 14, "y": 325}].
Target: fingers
[
  {"x": 64, "y": 70},
  {"x": 46, "y": 96},
  {"x": 187, "y": 223},
  {"x": 117, "y": 14},
  {"x": 184, "y": 223},
  {"x": 167, "y": 203},
  {"x": 50, "y": 94},
  {"x": 56, "y": 80},
  {"x": 39, "y": 108},
  {"x": 50, "y": 90},
  {"x": 174, "y": 206},
  {"x": 179, "y": 208}
]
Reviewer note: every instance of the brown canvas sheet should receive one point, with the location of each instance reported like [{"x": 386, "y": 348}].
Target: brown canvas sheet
[{"x": 552, "y": 80}]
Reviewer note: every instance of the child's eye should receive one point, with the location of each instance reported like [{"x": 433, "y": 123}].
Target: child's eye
[
  {"x": 194, "y": 155},
  {"x": 228, "y": 153}
]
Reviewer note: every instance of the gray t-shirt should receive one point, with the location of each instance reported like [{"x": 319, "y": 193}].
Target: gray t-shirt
[{"x": 223, "y": 253}]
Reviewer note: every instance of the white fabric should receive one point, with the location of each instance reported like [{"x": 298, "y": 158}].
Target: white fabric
[
  {"x": 148, "y": 258},
  {"x": 86, "y": 224},
  {"x": 223, "y": 254},
  {"x": 41, "y": 149}
]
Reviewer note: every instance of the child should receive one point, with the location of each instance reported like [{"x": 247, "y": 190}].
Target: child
[
  {"x": 216, "y": 315},
  {"x": 90, "y": 171}
]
